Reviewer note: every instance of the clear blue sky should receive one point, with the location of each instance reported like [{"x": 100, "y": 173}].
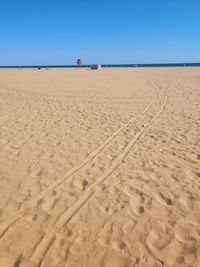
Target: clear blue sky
[{"x": 99, "y": 31}]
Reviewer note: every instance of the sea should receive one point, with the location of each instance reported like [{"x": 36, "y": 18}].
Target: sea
[{"x": 111, "y": 65}]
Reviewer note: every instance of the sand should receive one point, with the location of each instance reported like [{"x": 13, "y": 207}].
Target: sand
[{"x": 100, "y": 168}]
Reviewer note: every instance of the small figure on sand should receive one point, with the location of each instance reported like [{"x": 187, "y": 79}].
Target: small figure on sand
[{"x": 95, "y": 67}]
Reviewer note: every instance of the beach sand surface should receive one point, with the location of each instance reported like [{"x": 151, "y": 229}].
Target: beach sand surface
[{"x": 100, "y": 168}]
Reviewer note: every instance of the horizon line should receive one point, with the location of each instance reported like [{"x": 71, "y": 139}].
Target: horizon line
[{"x": 105, "y": 65}]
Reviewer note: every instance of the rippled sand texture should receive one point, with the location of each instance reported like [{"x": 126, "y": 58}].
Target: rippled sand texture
[{"x": 100, "y": 168}]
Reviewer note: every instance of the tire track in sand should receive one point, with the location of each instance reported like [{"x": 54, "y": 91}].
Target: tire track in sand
[
  {"x": 93, "y": 155},
  {"x": 65, "y": 218},
  {"x": 45, "y": 244},
  {"x": 35, "y": 199}
]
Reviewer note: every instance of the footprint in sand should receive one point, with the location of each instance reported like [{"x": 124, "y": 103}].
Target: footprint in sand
[
  {"x": 128, "y": 226},
  {"x": 136, "y": 208},
  {"x": 119, "y": 245},
  {"x": 62, "y": 236},
  {"x": 80, "y": 184},
  {"x": 163, "y": 199},
  {"x": 164, "y": 247},
  {"x": 37, "y": 173}
]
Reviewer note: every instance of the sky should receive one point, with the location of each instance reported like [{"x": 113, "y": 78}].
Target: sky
[{"x": 57, "y": 32}]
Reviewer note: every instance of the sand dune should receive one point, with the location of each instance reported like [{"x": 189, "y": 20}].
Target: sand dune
[{"x": 100, "y": 168}]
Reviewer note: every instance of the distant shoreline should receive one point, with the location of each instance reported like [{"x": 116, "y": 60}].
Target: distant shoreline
[{"x": 108, "y": 66}]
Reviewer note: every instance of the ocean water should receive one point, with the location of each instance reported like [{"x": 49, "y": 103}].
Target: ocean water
[{"x": 111, "y": 65}]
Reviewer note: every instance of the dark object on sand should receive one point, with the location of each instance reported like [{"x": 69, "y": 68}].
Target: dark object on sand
[{"x": 95, "y": 67}]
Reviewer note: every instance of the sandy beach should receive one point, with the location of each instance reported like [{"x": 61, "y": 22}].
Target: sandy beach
[{"x": 100, "y": 168}]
